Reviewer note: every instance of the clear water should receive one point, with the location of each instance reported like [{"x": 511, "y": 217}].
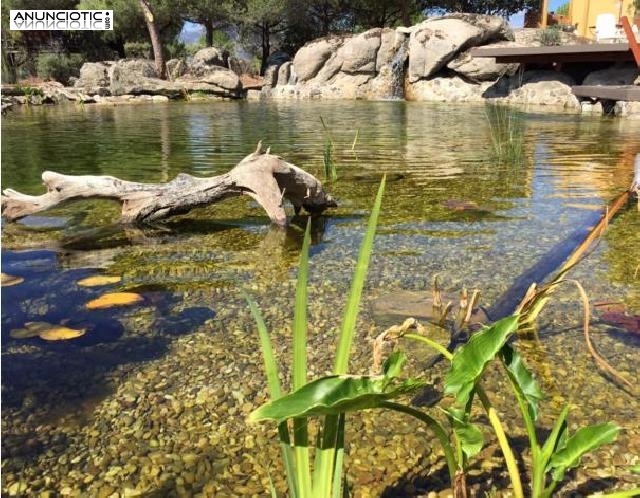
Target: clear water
[{"x": 449, "y": 210}]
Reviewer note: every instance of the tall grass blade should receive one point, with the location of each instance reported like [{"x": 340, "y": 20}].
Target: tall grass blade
[
  {"x": 353, "y": 303},
  {"x": 300, "y": 315},
  {"x": 326, "y": 453},
  {"x": 275, "y": 390},
  {"x": 300, "y": 431},
  {"x": 338, "y": 478},
  {"x": 506, "y": 131},
  {"x": 270, "y": 364},
  {"x": 555, "y": 439},
  {"x": 328, "y": 162}
]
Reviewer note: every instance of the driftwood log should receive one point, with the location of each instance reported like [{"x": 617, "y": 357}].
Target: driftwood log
[{"x": 267, "y": 178}]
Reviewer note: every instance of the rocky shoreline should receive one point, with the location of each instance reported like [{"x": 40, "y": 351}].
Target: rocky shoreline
[{"x": 429, "y": 61}]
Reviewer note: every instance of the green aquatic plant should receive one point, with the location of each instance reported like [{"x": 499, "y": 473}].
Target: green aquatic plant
[
  {"x": 328, "y": 156},
  {"x": 327, "y": 477},
  {"x": 331, "y": 397},
  {"x": 31, "y": 93},
  {"x": 550, "y": 460},
  {"x": 506, "y": 131},
  {"x": 560, "y": 452}
]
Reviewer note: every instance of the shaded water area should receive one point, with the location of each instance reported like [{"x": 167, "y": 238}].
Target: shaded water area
[{"x": 153, "y": 399}]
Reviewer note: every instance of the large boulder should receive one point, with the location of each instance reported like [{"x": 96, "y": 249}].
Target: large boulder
[
  {"x": 446, "y": 89},
  {"x": 358, "y": 54},
  {"x": 137, "y": 77},
  {"x": 619, "y": 74},
  {"x": 240, "y": 66},
  {"x": 629, "y": 110},
  {"x": 270, "y": 77},
  {"x": 478, "y": 69},
  {"x": 176, "y": 68},
  {"x": 390, "y": 40},
  {"x": 95, "y": 78},
  {"x": 209, "y": 56},
  {"x": 284, "y": 73},
  {"x": 543, "y": 87},
  {"x": 310, "y": 58},
  {"x": 436, "y": 41},
  {"x": 218, "y": 81},
  {"x": 223, "y": 78}
]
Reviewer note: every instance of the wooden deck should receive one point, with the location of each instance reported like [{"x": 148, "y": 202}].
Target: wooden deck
[
  {"x": 628, "y": 92},
  {"x": 591, "y": 52}
]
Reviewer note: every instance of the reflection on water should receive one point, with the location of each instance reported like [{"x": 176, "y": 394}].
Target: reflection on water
[{"x": 177, "y": 374}]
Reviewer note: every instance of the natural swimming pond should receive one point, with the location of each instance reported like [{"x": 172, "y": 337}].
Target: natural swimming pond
[{"x": 153, "y": 398}]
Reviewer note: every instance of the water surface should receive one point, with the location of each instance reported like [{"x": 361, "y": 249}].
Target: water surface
[{"x": 154, "y": 397}]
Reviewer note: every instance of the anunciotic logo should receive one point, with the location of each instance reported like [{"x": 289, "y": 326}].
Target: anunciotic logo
[{"x": 66, "y": 20}]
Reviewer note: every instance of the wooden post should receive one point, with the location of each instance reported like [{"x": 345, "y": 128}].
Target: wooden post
[
  {"x": 543, "y": 13},
  {"x": 631, "y": 38}
]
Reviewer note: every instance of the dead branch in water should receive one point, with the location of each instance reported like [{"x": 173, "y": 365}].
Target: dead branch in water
[{"x": 267, "y": 178}]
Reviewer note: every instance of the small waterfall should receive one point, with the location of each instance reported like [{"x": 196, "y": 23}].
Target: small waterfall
[{"x": 396, "y": 67}]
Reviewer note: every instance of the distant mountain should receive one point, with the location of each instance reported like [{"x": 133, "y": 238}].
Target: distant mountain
[{"x": 191, "y": 33}]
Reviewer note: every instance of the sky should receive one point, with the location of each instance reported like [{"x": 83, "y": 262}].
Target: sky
[
  {"x": 191, "y": 32},
  {"x": 517, "y": 20}
]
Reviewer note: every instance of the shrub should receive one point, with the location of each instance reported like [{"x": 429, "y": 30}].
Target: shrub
[
  {"x": 59, "y": 67},
  {"x": 550, "y": 36},
  {"x": 177, "y": 50},
  {"x": 137, "y": 50}
]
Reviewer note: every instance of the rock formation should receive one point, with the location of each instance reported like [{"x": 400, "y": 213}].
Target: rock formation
[
  {"x": 431, "y": 62},
  {"x": 205, "y": 74}
]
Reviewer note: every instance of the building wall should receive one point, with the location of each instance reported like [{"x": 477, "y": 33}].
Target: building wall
[{"x": 584, "y": 12}]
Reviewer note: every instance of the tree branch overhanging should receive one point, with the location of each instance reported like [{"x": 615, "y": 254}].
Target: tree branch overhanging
[{"x": 267, "y": 178}]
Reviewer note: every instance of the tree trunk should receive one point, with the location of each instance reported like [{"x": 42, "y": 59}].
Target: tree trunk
[
  {"x": 266, "y": 178},
  {"x": 266, "y": 47},
  {"x": 404, "y": 13},
  {"x": 154, "y": 34},
  {"x": 9, "y": 70},
  {"x": 208, "y": 26},
  {"x": 118, "y": 46}
]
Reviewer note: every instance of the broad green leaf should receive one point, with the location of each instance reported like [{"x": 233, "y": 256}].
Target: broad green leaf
[
  {"x": 469, "y": 435},
  {"x": 337, "y": 394},
  {"x": 334, "y": 395},
  {"x": 469, "y": 361},
  {"x": 584, "y": 440},
  {"x": 522, "y": 379}
]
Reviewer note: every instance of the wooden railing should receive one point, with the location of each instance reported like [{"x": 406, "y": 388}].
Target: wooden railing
[{"x": 631, "y": 38}]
